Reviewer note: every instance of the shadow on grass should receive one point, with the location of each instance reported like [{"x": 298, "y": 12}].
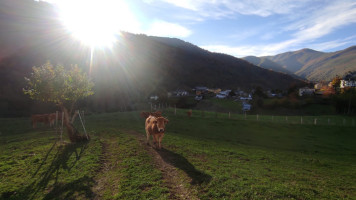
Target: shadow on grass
[
  {"x": 182, "y": 163},
  {"x": 44, "y": 176}
]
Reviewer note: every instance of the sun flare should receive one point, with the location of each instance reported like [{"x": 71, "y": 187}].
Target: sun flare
[{"x": 96, "y": 22}]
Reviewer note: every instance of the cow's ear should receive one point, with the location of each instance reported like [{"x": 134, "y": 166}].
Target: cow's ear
[{"x": 166, "y": 121}]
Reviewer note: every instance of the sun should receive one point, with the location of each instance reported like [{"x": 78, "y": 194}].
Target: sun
[{"x": 96, "y": 22}]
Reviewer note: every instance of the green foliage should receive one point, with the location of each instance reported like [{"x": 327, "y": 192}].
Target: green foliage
[
  {"x": 336, "y": 82},
  {"x": 58, "y": 84},
  {"x": 345, "y": 102}
]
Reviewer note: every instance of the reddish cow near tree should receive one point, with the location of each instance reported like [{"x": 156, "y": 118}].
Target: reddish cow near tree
[
  {"x": 39, "y": 118},
  {"x": 189, "y": 113}
]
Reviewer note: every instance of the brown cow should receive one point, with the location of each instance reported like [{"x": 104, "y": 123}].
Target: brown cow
[
  {"x": 189, "y": 113},
  {"x": 145, "y": 115},
  {"x": 155, "y": 126},
  {"x": 40, "y": 118},
  {"x": 52, "y": 118},
  {"x": 157, "y": 113}
]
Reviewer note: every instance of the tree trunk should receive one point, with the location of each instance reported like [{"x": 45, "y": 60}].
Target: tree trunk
[{"x": 73, "y": 133}]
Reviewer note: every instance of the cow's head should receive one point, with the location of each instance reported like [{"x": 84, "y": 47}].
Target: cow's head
[{"x": 161, "y": 123}]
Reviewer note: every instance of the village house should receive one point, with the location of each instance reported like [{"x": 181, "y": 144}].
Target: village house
[
  {"x": 200, "y": 90},
  {"x": 306, "y": 91},
  {"x": 223, "y": 94},
  {"x": 246, "y": 106},
  {"x": 180, "y": 93},
  {"x": 348, "y": 81}
]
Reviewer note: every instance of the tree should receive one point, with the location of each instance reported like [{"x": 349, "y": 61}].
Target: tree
[
  {"x": 62, "y": 86},
  {"x": 336, "y": 83},
  {"x": 258, "y": 97}
]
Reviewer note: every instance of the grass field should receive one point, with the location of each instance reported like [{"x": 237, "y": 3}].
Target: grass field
[{"x": 207, "y": 156}]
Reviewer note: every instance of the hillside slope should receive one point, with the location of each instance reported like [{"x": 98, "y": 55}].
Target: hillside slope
[
  {"x": 329, "y": 65},
  {"x": 267, "y": 64},
  {"x": 295, "y": 60}
]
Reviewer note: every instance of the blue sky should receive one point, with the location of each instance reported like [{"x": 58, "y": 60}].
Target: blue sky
[{"x": 247, "y": 27}]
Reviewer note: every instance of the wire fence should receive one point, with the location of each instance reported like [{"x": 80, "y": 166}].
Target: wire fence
[{"x": 328, "y": 120}]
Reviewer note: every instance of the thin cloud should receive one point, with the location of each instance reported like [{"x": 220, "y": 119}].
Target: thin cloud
[
  {"x": 326, "y": 21},
  {"x": 228, "y": 8},
  {"x": 324, "y": 46},
  {"x": 240, "y": 51},
  {"x": 167, "y": 29},
  {"x": 304, "y": 32}
]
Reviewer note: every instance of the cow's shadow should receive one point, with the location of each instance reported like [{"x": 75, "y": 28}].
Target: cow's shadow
[{"x": 182, "y": 163}]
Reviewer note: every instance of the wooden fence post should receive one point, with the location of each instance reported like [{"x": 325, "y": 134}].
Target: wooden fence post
[
  {"x": 83, "y": 118},
  {"x": 62, "y": 127},
  {"x": 315, "y": 119},
  {"x": 81, "y": 121}
]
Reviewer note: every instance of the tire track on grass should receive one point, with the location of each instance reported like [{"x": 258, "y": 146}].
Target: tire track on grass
[{"x": 104, "y": 181}]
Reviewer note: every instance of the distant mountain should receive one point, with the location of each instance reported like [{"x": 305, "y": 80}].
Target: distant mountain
[
  {"x": 267, "y": 64},
  {"x": 329, "y": 65},
  {"x": 295, "y": 60}
]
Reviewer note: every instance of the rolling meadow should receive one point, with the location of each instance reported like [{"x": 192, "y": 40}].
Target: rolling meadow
[{"x": 206, "y": 156}]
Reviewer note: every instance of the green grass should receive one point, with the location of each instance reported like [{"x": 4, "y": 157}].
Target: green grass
[
  {"x": 36, "y": 165},
  {"x": 251, "y": 160},
  {"x": 218, "y": 157},
  {"x": 220, "y": 105}
]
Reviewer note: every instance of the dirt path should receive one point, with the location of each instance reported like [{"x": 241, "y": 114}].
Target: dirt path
[{"x": 172, "y": 178}]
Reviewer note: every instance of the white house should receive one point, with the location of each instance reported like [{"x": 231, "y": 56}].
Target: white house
[
  {"x": 318, "y": 86},
  {"x": 348, "y": 81},
  {"x": 249, "y": 98},
  {"x": 198, "y": 98},
  {"x": 246, "y": 106},
  {"x": 306, "y": 91},
  {"x": 223, "y": 94},
  {"x": 154, "y": 97},
  {"x": 180, "y": 92}
]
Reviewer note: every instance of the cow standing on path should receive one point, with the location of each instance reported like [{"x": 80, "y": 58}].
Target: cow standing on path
[{"x": 155, "y": 126}]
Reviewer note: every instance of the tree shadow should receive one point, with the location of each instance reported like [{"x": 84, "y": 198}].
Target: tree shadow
[
  {"x": 61, "y": 161},
  {"x": 76, "y": 187},
  {"x": 182, "y": 163}
]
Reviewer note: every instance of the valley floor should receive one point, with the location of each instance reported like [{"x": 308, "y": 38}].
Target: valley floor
[{"x": 202, "y": 158}]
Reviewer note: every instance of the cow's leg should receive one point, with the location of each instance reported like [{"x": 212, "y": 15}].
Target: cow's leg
[
  {"x": 147, "y": 137},
  {"x": 155, "y": 140},
  {"x": 160, "y": 140}
]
